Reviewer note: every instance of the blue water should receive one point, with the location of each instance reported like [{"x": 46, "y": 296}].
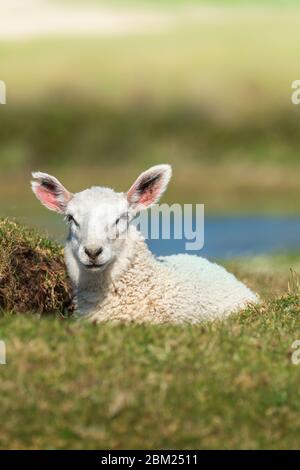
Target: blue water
[{"x": 229, "y": 237}]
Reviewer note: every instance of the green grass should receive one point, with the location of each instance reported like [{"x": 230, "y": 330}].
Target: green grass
[{"x": 229, "y": 385}]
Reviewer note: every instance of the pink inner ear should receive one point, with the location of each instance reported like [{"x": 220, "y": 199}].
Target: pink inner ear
[
  {"x": 48, "y": 198},
  {"x": 145, "y": 198},
  {"x": 149, "y": 196}
]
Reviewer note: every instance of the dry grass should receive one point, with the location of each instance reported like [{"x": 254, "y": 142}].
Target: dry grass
[{"x": 32, "y": 272}]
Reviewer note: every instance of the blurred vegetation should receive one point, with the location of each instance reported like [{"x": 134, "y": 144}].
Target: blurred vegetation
[
  {"x": 211, "y": 95},
  {"x": 60, "y": 132},
  {"x": 174, "y": 3}
]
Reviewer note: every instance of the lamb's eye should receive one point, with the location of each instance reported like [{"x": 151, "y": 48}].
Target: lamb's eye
[
  {"x": 118, "y": 220},
  {"x": 71, "y": 219}
]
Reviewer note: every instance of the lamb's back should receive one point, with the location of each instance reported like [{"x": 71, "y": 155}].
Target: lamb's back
[{"x": 206, "y": 290}]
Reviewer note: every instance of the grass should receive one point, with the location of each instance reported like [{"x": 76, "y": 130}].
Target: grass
[
  {"x": 226, "y": 385},
  {"x": 230, "y": 384},
  {"x": 32, "y": 271},
  {"x": 269, "y": 275}
]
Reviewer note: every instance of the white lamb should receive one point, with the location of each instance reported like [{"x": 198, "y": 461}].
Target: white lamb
[{"x": 116, "y": 277}]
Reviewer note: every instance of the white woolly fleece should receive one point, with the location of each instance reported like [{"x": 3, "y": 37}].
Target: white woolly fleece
[{"x": 141, "y": 288}]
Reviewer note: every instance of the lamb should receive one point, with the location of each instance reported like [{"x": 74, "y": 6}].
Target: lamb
[{"x": 115, "y": 276}]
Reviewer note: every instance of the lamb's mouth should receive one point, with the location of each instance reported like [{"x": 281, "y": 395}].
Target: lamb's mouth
[{"x": 95, "y": 267}]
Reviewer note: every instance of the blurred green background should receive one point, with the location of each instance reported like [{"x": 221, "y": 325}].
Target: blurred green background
[{"x": 97, "y": 91}]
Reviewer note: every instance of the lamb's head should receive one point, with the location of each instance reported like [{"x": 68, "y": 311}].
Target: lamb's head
[{"x": 99, "y": 217}]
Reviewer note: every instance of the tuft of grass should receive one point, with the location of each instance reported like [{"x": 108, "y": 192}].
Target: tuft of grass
[{"x": 32, "y": 271}]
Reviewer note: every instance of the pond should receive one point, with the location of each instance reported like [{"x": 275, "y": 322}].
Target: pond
[
  {"x": 224, "y": 236},
  {"x": 229, "y": 237}
]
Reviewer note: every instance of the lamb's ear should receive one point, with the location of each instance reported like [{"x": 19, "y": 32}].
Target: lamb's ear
[
  {"x": 50, "y": 192},
  {"x": 149, "y": 187}
]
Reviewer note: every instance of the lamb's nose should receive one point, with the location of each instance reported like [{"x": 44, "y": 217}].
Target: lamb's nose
[{"x": 93, "y": 253}]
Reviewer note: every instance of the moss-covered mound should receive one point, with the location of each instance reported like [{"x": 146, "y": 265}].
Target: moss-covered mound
[{"x": 32, "y": 272}]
